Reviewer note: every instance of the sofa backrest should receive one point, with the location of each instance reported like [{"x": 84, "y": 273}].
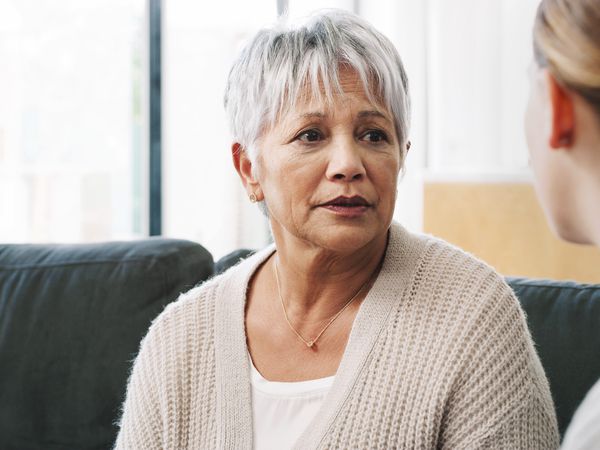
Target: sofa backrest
[
  {"x": 564, "y": 320},
  {"x": 71, "y": 320}
]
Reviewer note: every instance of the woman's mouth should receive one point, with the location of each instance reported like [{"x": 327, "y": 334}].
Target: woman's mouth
[{"x": 342, "y": 206}]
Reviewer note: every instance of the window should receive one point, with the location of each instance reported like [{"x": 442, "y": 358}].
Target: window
[
  {"x": 479, "y": 52},
  {"x": 71, "y": 120},
  {"x": 203, "y": 198},
  {"x": 73, "y": 131}
]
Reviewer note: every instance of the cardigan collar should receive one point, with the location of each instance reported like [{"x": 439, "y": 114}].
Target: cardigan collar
[{"x": 234, "y": 409}]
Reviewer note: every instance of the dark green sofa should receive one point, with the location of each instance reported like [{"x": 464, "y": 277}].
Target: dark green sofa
[
  {"x": 72, "y": 317},
  {"x": 564, "y": 319},
  {"x": 71, "y": 320}
]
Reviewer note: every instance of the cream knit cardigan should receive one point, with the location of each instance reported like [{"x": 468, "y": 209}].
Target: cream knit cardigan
[{"x": 439, "y": 357}]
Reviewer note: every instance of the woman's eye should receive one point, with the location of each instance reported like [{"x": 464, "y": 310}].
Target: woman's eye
[
  {"x": 310, "y": 136},
  {"x": 375, "y": 136}
]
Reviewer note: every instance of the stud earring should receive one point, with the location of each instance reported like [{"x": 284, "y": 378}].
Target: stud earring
[{"x": 253, "y": 198}]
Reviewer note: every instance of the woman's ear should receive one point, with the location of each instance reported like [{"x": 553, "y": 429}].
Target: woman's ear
[
  {"x": 243, "y": 166},
  {"x": 562, "y": 131}
]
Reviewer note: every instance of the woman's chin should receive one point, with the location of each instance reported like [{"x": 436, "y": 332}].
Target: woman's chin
[
  {"x": 564, "y": 227},
  {"x": 344, "y": 236},
  {"x": 570, "y": 233},
  {"x": 346, "y": 239}
]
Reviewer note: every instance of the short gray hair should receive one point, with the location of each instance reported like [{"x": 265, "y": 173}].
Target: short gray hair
[{"x": 268, "y": 76}]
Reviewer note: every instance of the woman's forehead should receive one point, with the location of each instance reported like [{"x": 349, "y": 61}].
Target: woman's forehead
[
  {"x": 342, "y": 105},
  {"x": 355, "y": 103},
  {"x": 350, "y": 93},
  {"x": 346, "y": 82}
]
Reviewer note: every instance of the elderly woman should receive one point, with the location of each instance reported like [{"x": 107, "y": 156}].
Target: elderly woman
[
  {"x": 348, "y": 331},
  {"x": 563, "y": 133}
]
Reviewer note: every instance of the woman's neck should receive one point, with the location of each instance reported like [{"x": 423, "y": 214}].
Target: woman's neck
[{"x": 315, "y": 283}]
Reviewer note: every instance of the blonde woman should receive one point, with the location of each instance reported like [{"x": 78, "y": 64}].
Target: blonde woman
[{"x": 563, "y": 133}]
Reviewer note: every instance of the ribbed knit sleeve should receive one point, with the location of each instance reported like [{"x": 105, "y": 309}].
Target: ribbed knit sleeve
[
  {"x": 500, "y": 398},
  {"x": 171, "y": 392},
  {"x": 141, "y": 422}
]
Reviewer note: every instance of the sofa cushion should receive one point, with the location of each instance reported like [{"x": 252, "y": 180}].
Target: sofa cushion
[
  {"x": 564, "y": 319},
  {"x": 71, "y": 320}
]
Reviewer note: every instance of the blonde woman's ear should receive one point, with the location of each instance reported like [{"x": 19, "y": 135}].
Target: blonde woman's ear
[{"x": 562, "y": 109}]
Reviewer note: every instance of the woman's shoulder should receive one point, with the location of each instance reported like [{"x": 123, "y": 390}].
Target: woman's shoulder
[
  {"x": 455, "y": 273},
  {"x": 195, "y": 308},
  {"x": 436, "y": 252},
  {"x": 189, "y": 315},
  {"x": 445, "y": 257},
  {"x": 192, "y": 302}
]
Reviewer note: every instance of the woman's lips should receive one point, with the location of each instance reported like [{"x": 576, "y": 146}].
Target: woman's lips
[
  {"x": 347, "y": 211},
  {"x": 354, "y": 206}
]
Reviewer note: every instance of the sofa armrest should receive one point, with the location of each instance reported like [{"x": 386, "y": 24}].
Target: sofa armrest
[
  {"x": 564, "y": 320},
  {"x": 71, "y": 320}
]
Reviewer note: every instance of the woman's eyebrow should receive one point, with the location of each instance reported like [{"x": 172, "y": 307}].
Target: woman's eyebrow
[
  {"x": 360, "y": 115},
  {"x": 372, "y": 113},
  {"x": 312, "y": 115}
]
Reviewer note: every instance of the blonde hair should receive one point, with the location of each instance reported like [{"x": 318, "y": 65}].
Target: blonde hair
[{"x": 566, "y": 40}]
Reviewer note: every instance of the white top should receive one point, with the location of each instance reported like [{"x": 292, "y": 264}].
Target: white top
[
  {"x": 584, "y": 431},
  {"x": 281, "y": 411}
]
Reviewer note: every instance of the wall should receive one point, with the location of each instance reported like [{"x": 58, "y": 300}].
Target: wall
[{"x": 502, "y": 223}]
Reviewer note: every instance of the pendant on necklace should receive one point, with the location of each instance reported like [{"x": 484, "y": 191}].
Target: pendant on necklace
[{"x": 309, "y": 344}]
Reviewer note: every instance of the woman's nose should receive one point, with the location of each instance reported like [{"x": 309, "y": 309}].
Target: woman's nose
[{"x": 345, "y": 161}]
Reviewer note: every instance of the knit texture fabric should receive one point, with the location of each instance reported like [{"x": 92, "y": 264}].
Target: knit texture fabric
[{"x": 439, "y": 356}]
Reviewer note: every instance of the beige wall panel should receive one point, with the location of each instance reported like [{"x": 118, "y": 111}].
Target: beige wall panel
[{"x": 503, "y": 224}]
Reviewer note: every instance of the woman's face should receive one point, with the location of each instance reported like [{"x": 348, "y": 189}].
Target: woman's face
[{"x": 328, "y": 172}]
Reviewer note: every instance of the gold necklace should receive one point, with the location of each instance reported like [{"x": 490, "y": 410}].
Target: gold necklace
[{"x": 312, "y": 342}]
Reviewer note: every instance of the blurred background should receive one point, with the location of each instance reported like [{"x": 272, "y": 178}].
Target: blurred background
[{"x": 112, "y": 124}]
